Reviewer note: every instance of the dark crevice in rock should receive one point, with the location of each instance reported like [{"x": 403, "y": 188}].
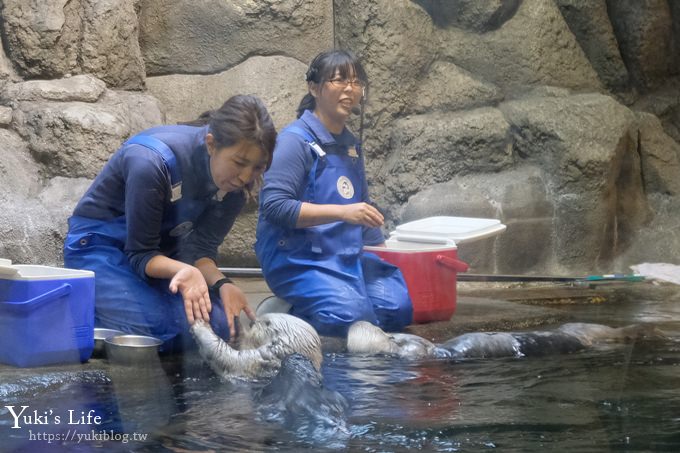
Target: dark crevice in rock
[{"x": 471, "y": 15}]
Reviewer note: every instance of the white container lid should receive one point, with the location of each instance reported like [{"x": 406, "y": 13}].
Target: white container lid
[
  {"x": 441, "y": 229},
  {"x": 36, "y": 272},
  {"x": 6, "y": 268}
]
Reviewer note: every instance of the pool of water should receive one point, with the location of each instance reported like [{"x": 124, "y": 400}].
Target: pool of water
[{"x": 613, "y": 398}]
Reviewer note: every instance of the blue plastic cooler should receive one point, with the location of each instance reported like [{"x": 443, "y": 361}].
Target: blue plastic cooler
[{"x": 46, "y": 316}]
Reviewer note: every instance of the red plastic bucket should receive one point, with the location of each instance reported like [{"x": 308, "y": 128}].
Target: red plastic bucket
[{"x": 430, "y": 272}]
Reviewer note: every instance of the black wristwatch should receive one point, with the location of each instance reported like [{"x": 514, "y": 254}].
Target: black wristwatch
[{"x": 215, "y": 287}]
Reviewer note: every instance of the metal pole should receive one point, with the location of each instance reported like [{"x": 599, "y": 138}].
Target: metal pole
[{"x": 256, "y": 272}]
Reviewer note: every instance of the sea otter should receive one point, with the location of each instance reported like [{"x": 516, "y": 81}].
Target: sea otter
[
  {"x": 365, "y": 338},
  {"x": 262, "y": 347}
]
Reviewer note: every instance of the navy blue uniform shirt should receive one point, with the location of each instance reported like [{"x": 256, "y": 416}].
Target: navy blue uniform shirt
[
  {"x": 287, "y": 178},
  {"x": 135, "y": 184}
]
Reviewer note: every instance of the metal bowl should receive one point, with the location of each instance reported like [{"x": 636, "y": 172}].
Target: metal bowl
[
  {"x": 132, "y": 349},
  {"x": 100, "y": 335}
]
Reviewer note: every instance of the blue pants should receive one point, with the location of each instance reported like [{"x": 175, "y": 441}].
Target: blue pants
[
  {"x": 331, "y": 298},
  {"x": 123, "y": 300}
]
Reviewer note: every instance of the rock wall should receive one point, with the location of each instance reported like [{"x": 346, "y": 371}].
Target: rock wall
[
  {"x": 555, "y": 116},
  {"x": 559, "y": 117}
]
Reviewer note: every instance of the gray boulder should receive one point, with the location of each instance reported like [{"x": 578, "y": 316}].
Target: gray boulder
[
  {"x": 657, "y": 240},
  {"x": 33, "y": 228},
  {"x": 83, "y": 88},
  {"x": 526, "y": 43},
  {"x": 59, "y": 198},
  {"x": 589, "y": 22},
  {"x": 185, "y": 36},
  {"x": 588, "y": 145},
  {"x": 55, "y": 38},
  {"x": 41, "y": 36},
  {"x": 110, "y": 44},
  {"x": 572, "y": 136},
  {"x": 19, "y": 173},
  {"x": 33, "y": 216},
  {"x": 139, "y": 111},
  {"x": 447, "y": 87},
  {"x": 519, "y": 197},
  {"x": 75, "y": 139},
  {"x": 660, "y": 156},
  {"x": 644, "y": 31},
  {"x": 534, "y": 47},
  {"x": 664, "y": 102},
  {"x": 435, "y": 148},
  {"x": 186, "y": 96},
  {"x": 30, "y": 235}
]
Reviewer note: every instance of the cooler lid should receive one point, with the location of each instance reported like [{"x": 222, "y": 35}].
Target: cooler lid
[{"x": 440, "y": 229}]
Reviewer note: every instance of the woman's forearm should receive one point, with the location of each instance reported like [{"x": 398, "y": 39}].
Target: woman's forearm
[
  {"x": 209, "y": 270},
  {"x": 318, "y": 214},
  {"x": 161, "y": 266},
  {"x": 356, "y": 213}
]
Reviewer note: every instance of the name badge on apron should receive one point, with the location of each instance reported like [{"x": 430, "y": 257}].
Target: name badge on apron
[{"x": 176, "y": 192}]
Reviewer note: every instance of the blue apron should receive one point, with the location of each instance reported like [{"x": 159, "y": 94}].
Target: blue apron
[
  {"x": 322, "y": 270},
  {"x": 123, "y": 300}
]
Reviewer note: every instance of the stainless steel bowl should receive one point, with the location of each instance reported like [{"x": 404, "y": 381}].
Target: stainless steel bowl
[
  {"x": 132, "y": 349},
  {"x": 100, "y": 335}
]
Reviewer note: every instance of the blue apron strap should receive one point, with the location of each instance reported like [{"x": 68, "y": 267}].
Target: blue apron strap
[
  {"x": 307, "y": 137},
  {"x": 168, "y": 157}
]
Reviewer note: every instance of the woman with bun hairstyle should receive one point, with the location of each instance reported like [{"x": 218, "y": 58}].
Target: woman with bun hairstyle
[{"x": 150, "y": 224}]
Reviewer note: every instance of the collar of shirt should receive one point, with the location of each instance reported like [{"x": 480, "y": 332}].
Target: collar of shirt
[{"x": 345, "y": 138}]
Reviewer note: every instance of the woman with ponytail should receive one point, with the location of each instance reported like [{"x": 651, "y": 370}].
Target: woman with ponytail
[
  {"x": 150, "y": 224},
  {"x": 316, "y": 214}
]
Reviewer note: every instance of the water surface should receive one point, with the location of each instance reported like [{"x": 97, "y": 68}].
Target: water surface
[{"x": 613, "y": 398}]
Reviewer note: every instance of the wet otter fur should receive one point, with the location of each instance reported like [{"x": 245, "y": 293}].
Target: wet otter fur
[
  {"x": 365, "y": 338},
  {"x": 297, "y": 399},
  {"x": 262, "y": 347}
]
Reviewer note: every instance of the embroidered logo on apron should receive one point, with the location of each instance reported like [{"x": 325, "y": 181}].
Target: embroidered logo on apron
[
  {"x": 345, "y": 187},
  {"x": 181, "y": 229}
]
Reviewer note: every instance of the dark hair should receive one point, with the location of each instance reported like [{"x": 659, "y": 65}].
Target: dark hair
[
  {"x": 242, "y": 117},
  {"x": 324, "y": 66}
]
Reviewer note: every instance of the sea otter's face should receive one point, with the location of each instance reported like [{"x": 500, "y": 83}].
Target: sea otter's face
[{"x": 291, "y": 333}]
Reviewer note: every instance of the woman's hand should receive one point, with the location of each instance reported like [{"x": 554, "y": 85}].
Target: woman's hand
[
  {"x": 362, "y": 214},
  {"x": 234, "y": 301},
  {"x": 192, "y": 286}
]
